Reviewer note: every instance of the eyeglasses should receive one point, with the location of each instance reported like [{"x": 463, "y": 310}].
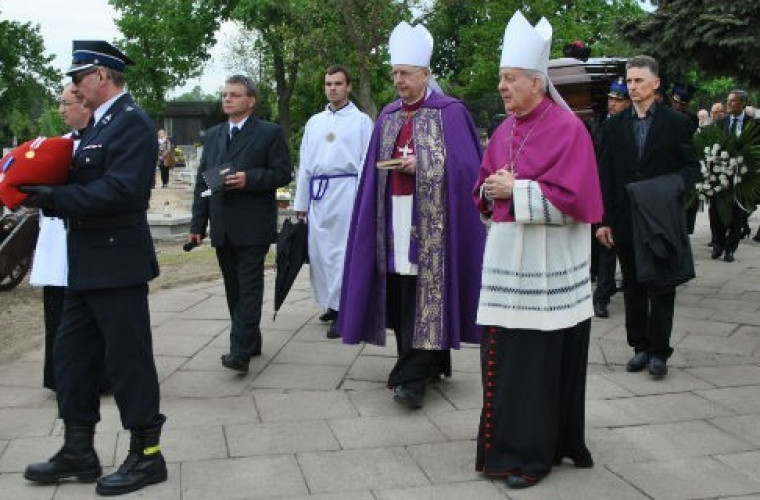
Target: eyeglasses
[
  {"x": 77, "y": 78},
  {"x": 65, "y": 103}
]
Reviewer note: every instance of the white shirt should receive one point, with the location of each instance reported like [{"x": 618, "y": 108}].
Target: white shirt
[{"x": 101, "y": 111}]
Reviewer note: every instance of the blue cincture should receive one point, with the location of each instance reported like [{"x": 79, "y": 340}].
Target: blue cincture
[{"x": 322, "y": 181}]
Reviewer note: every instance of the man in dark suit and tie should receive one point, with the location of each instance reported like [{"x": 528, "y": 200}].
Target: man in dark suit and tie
[
  {"x": 649, "y": 141},
  {"x": 243, "y": 214},
  {"x": 105, "y": 325},
  {"x": 725, "y": 237}
]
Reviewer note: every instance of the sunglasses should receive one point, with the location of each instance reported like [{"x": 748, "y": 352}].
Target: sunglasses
[{"x": 77, "y": 78}]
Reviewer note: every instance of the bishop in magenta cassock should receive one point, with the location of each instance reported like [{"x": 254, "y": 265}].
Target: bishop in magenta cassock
[
  {"x": 413, "y": 255},
  {"x": 539, "y": 186}
]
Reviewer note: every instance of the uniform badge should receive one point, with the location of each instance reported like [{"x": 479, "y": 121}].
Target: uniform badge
[{"x": 29, "y": 154}]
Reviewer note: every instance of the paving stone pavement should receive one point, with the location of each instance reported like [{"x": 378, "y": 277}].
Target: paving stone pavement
[{"x": 313, "y": 420}]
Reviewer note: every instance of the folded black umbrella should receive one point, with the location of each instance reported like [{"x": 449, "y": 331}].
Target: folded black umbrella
[{"x": 292, "y": 252}]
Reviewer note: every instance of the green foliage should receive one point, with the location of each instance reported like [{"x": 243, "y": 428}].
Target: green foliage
[
  {"x": 27, "y": 80},
  {"x": 169, "y": 41},
  {"x": 51, "y": 123},
  {"x": 282, "y": 40},
  {"x": 196, "y": 95},
  {"x": 720, "y": 38},
  {"x": 289, "y": 44},
  {"x": 735, "y": 161},
  {"x": 469, "y": 33}
]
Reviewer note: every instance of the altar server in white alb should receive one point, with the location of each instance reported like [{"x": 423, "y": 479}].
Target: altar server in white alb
[
  {"x": 332, "y": 153},
  {"x": 539, "y": 186}
]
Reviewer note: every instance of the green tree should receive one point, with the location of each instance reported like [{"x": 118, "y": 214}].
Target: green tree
[
  {"x": 196, "y": 94},
  {"x": 51, "y": 123},
  {"x": 469, "y": 33},
  {"x": 282, "y": 37},
  {"x": 27, "y": 80},
  {"x": 368, "y": 23},
  {"x": 719, "y": 38},
  {"x": 169, "y": 41}
]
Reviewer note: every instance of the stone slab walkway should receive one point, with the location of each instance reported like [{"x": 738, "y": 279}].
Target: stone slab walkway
[{"x": 313, "y": 419}]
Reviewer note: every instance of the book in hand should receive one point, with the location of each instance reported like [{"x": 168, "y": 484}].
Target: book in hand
[
  {"x": 391, "y": 164},
  {"x": 215, "y": 177}
]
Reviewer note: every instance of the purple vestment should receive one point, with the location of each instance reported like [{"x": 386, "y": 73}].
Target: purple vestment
[{"x": 448, "y": 236}]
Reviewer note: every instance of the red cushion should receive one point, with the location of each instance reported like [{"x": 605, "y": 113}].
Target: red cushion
[{"x": 45, "y": 160}]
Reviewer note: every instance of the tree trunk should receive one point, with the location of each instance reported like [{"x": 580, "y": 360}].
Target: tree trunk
[
  {"x": 283, "y": 93},
  {"x": 364, "y": 95}
]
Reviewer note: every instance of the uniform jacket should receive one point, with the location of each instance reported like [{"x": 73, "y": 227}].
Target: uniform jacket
[
  {"x": 248, "y": 216},
  {"x": 668, "y": 149},
  {"x": 110, "y": 179}
]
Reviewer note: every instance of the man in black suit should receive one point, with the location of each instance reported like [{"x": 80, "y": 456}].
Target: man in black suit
[
  {"x": 649, "y": 141},
  {"x": 106, "y": 321},
  {"x": 725, "y": 237},
  {"x": 243, "y": 213}
]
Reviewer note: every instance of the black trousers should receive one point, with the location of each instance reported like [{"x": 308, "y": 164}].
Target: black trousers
[
  {"x": 726, "y": 237},
  {"x": 415, "y": 368},
  {"x": 605, "y": 274},
  {"x": 52, "y": 300},
  {"x": 648, "y": 309},
  {"x": 107, "y": 331},
  {"x": 243, "y": 272},
  {"x": 691, "y": 217},
  {"x": 164, "y": 174}
]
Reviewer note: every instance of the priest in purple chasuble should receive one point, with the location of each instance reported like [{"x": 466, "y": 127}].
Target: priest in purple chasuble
[
  {"x": 415, "y": 245},
  {"x": 539, "y": 186}
]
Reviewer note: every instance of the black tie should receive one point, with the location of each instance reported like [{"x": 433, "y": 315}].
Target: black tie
[
  {"x": 734, "y": 125},
  {"x": 231, "y": 137}
]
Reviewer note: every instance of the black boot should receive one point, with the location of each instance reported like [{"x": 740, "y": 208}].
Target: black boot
[
  {"x": 77, "y": 458},
  {"x": 144, "y": 465}
]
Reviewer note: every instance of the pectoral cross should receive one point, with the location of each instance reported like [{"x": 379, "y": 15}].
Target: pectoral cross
[{"x": 405, "y": 150}]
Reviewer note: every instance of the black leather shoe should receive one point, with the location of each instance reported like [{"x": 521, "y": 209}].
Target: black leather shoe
[
  {"x": 757, "y": 236},
  {"x": 729, "y": 256},
  {"x": 333, "y": 333},
  {"x": 407, "y": 397},
  {"x": 716, "y": 252},
  {"x": 329, "y": 315},
  {"x": 233, "y": 363},
  {"x": 638, "y": 362},
  {"x": 77, "y": 458},
  {"x": 144, "y": 465},
  {"x": 517, "y": 481},
  {"x": 657, "y": 367},
  {"x": 600, "y": 310}
]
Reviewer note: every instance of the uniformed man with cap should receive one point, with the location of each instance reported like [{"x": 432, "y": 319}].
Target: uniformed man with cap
[
  {"x": 617, "y": 100},
  {"x": 680, "y": 96},
  {"x": 106, "y": 324}
]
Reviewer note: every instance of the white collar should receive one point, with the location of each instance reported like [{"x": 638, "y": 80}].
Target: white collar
[
  {"x": 343, "y": 108},
  {"x": 98, "y": 114},
  {"x": 238, "y": 125}
]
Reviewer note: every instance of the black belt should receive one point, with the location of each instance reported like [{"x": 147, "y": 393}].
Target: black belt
[{"x": 105, "y": 222}]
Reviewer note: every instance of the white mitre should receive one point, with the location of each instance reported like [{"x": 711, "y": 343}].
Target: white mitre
[
  {"x": 410, "y": 46},
  {"x": 528, "y": 47}
]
